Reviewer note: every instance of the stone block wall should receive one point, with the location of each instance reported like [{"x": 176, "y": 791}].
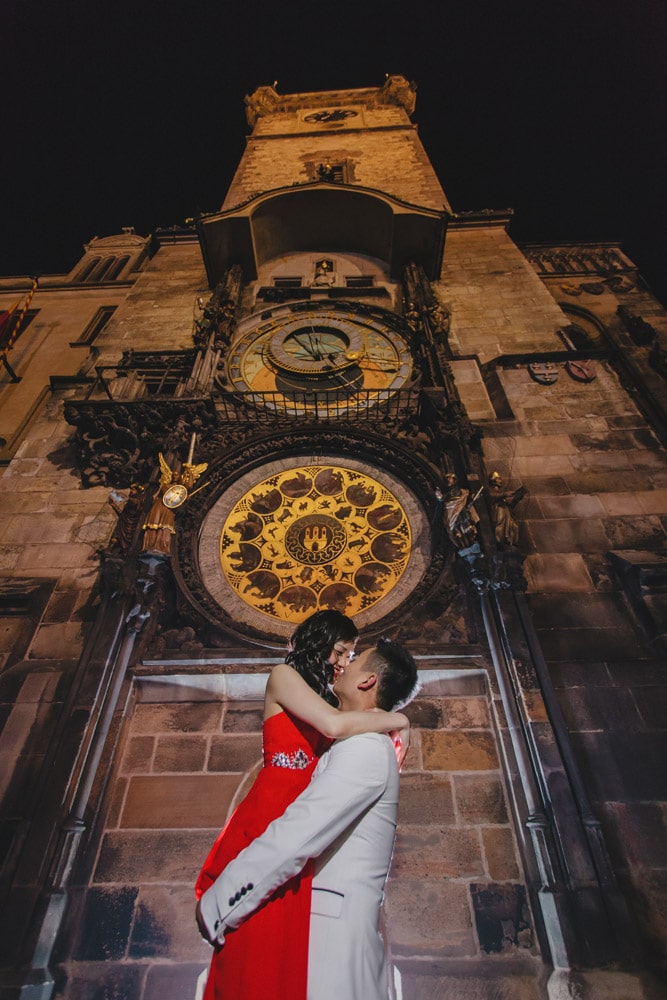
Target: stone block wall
[
  {"x": 50, "y": 530},
  {"x": 392, "y": 161},
  {"x": 498, "y": 304},
  {"x": 47, "y": 347},
  {"x": 597, "y": 476},
  {"x": 455, "y": 893},
  {"x": 157, "y": 314}
]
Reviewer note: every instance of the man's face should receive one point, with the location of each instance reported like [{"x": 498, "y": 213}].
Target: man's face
[{"x": 347, "y": 678}]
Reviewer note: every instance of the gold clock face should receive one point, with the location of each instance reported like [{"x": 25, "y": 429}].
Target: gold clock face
[
  {"x": 313, "y": 537},
  {"x": 324, "y": 355}
]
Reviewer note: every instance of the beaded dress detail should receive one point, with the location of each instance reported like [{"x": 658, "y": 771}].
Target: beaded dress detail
[{"x": 272, "y": 946}]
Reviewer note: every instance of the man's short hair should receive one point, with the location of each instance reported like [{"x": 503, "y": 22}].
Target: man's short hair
[{"x": 397, "y": 675}]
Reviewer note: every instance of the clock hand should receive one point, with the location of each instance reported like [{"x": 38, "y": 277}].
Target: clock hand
[
  {"x": 319, "y": 347},
  {"x": 377, "y": 361},
  {"x": 307, "y": 347},
  {"x": 376, "y": 364},
  {"x": 337, "y": 354}
]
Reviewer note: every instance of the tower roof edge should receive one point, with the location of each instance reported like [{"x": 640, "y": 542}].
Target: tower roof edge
[{"x": 266, "y": 100}]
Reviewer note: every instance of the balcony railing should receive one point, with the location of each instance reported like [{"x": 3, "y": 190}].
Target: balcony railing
[{"x": 274, "y": 407}]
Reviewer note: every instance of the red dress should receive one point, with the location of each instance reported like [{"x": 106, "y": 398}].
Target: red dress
[{"x": 266, "y": 958}]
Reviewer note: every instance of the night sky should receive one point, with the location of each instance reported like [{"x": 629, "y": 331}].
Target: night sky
[{"x": 131, "y": 113}]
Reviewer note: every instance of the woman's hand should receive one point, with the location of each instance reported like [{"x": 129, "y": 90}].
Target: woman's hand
[{"x": 401, "y": 740}]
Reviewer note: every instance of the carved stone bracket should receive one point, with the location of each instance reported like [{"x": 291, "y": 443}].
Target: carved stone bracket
[
  {"x": 117, "y": 443},
  {"x": 580, "y": 261}
]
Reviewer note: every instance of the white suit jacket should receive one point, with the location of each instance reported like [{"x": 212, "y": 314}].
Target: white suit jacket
[{"x": 346, "y": 821}]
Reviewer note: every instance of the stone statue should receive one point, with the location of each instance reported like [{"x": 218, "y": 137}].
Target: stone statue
[
  {"x": 127, "y": 507},
  {"x": 461, "y": 518},
  {"x": 503, "y": 503},
  {"x": 218, "y": 316}
]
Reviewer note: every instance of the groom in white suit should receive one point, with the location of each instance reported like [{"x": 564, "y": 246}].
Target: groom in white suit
[{"x": 345, "y": 820}]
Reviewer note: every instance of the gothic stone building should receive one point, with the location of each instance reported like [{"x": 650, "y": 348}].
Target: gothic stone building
[{"x": 338, "y": 392}]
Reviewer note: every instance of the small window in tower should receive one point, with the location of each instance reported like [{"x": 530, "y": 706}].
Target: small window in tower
[
  {"x": 333, "y": 173},
  {"x": 287, "y": 282},
  {"x": 360, "y": 281}
]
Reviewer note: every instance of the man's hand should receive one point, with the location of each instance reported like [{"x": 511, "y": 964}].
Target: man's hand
[{"x": 401, "y": 740}]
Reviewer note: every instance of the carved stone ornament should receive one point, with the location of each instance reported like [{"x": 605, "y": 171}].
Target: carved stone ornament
[
  {"x": 215, "y": 324},
  {"x": 397, "y": 90},
  {"x": 640, "y": 330},
  {"x": 117, "y": 443}
]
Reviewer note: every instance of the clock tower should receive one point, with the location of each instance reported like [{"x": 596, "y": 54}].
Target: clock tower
[
  {"x": 337, "y": 393},
  {"x": 322, "y": 253}
]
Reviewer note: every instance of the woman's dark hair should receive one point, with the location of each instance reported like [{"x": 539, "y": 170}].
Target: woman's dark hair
[{"x": 311, "y": 645}]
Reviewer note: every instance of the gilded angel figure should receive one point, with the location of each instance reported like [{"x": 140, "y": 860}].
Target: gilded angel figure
[{"x": 173, "y": 490}]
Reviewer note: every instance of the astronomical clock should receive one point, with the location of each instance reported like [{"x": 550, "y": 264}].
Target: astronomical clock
[
  {"x": 294, "y": 538},
  {"x": 320, "y": 355}
]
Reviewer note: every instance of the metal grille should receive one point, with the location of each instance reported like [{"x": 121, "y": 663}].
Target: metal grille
[{"x": 365, "y": 405}]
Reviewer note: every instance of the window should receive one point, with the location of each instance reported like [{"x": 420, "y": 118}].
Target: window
[
  {"x": 332, "y": 173},
  {"x": 102, "y": 272},
  {"x": 287, "y": 282},
  {"x": 25, "y": 323},
  {"x": 360, "y": 281},
  {"x": 87, "y": 269},
  {"x": 102, "y": 268},
  {"x": 118, "y": 266},
  {"x": 96, "y": 325}
]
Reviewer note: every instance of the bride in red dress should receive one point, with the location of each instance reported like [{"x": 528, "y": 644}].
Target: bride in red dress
[{"x": 266, "y": 958}]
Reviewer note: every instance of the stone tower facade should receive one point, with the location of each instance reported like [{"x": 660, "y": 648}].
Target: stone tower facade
[{"x": 337, "y": 391}]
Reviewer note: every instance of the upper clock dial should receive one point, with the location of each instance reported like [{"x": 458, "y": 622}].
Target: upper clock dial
[
  {"x": 331, "y": 115},
  {"x": 320, "y": 355}
]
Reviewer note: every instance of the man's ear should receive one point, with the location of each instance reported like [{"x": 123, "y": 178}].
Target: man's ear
[{"x": 368, "y": 682}]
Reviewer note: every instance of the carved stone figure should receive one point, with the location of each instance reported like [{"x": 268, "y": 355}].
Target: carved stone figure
[
  {"x": 216, "y": 322},
  {"x": 397, "y": 90},
  {"x": 128, "y": 510},
  {"x": 461, "y": 518},
  {"x": 421, "y": 303},
  {"x": 503, "y": 503},
  {"x": 641, "y": 332},
  {"x": 263, "y": 101}
]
